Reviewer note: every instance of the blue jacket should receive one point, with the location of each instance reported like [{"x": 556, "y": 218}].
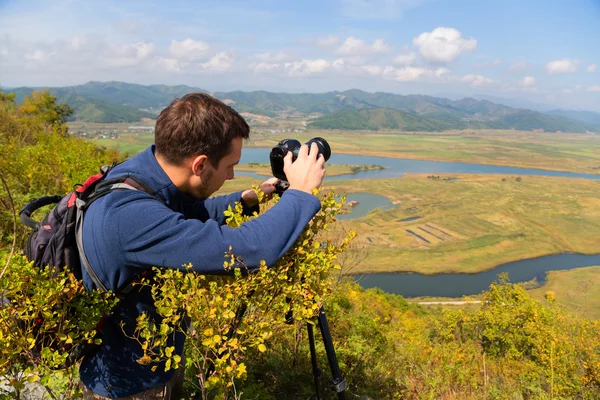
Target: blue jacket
[{"x": 127, "y": 232}]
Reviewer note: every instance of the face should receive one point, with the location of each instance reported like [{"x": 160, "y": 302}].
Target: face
[{"x": 212, "y": 178}]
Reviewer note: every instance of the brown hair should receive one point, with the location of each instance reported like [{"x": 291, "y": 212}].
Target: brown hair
[{"x": 197, "y": 124}]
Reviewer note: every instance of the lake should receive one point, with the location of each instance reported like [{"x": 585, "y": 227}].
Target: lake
[
  {"x": 442, "y": 285},
  {"x": 457, "y": 285},
  {"x": 396, "y": 167}
]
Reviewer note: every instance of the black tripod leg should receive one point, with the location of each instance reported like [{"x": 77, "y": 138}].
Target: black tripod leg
[
  {"x": 338, "y": 383},
  {"x": 313, "y": 359}
]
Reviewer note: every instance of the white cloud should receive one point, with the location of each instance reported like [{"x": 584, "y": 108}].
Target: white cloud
[
  {"x": 328, "y": 41},
  {"x": 476, "y": 80},
  {"x": 339, "y": 63},
  {"x": 441, "y": 71},
  {"x": 357, "y": 47},
  {"x": 520, "y": 66},
  {"x": 405, "y": 59},
  {"x": 563, "y": 66},
  {"x": 567, "y": 91},
  {"x": 274, "y": 57},
  {"x": 169, "y": 64},
  {"x": 443, "y": 45},
  {"x": 306, "y": 67},
  {"x": 372, "y": 69},
  {"x": 592, "y": 68},
  {"x": 189, "y": 49},
  {"x": 262, "y": 67},
  {"x": 128, "y": 55},
  {"x": 219, "y": 62},
  {"x": 406, "y": 74},
  {"x": 594, "y": 88},
  {"x": 528, "y": 81}
]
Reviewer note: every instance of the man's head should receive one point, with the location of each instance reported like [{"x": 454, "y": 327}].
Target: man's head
[{"x": 199, "y": 139}]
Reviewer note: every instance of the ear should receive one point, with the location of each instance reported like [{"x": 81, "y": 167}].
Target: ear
[{"x": 199, "y": 164}]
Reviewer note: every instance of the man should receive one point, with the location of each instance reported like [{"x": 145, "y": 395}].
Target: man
[{"x": 198, "y": 142}]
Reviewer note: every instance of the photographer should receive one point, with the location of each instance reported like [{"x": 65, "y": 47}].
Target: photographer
[{"x": 198, "y": 142}]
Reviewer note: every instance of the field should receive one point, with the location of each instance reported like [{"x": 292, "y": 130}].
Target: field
[
  {"x": 472, "y": 224},
  {"x": 578, "y": 290},
  {"x": 558, "y": 152}
]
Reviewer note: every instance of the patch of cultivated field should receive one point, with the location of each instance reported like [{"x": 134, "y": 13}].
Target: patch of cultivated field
[{"x": 471, "y": 224}]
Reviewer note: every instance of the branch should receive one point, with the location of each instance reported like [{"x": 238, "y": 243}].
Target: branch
[{"x": 14, "y": 243}]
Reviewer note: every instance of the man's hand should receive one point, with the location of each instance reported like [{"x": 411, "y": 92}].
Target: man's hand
[
  {"x": 307, "y": 172},
  {"x": 268, "y": 187}
]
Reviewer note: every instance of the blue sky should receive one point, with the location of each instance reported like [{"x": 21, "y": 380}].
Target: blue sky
[{"x": 543, "y": 51}]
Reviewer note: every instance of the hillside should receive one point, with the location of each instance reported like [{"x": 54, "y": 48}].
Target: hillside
[
  {"x": 385, "y": 118},
  {"x": 90, "y": 109},
  {"x": 125, "y": 102}
]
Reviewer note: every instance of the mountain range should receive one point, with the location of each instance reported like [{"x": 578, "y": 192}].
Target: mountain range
[{"x": 350, "y": 109}]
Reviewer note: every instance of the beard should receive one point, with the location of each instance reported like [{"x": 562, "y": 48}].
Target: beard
[{"x": 203, "y": 192}]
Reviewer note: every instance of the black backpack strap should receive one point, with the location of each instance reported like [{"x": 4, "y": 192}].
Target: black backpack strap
[
  {"x": 102, "y": 189},
  {"x": 25, "y": 213}
]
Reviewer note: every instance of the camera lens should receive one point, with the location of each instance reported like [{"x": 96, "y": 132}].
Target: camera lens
[{"x": 322, "y": 145}]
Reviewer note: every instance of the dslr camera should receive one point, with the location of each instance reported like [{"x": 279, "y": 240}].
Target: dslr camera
[{"x": 292, "y": 145}]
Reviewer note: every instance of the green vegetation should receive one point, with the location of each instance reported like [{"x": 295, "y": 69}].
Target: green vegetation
[
  {"x": 578, "y": 290},
  {"x": 384, "y": 118},
  {"x": 38, "y": 156}
]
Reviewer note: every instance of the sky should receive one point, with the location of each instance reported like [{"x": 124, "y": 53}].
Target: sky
[{"x": 543, "y": 52}]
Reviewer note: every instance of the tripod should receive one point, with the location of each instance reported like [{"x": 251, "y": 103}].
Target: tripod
[{"x": 338, "y": 383}]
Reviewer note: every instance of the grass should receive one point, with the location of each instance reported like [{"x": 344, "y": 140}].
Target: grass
[{"x": 578, "y": 290}]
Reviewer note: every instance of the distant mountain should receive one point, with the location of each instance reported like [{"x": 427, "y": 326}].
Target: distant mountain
[
  {"x": 119, "y": 101},
  {"x": 383, "y": 118},
  {"x": 89, "y": 109},
  {"x": 129, "y": 94},
  {"x": 515, "y": 103},
  {"x": 589, "y": 117}
]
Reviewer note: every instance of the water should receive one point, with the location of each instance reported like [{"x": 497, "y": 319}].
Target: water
[
  {"x": 457, "y": 285},
  {"x": 366, "y": 203},
  {"x": 441, "y": 285},
  {"x": 396, "y": 167},
  {"x": 409, "y": 219}
]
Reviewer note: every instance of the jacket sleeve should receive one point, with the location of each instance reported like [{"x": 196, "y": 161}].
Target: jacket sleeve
[
  {"x": 168, "y": 239},
  {"x": 214, "y": 207}
]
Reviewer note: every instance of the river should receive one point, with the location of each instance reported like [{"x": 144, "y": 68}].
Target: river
[{"x": 441, "y": 285}]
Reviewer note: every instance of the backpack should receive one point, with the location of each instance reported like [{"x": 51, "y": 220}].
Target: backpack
[{"x": 57, "y": 240}]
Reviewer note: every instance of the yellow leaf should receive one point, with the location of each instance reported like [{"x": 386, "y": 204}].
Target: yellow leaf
[{"x": 262, "y": 348}]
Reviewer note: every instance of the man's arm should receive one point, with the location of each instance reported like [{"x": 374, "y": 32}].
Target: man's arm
[
  {"x": 214, "y": 207},
  {"x": 150, "y": 234}
]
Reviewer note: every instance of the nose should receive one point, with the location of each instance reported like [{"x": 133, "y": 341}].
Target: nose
[{"x": 230, "y": 176}]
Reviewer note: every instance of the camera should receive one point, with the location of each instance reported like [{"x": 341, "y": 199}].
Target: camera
[{"x": 292, "y": 145}]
